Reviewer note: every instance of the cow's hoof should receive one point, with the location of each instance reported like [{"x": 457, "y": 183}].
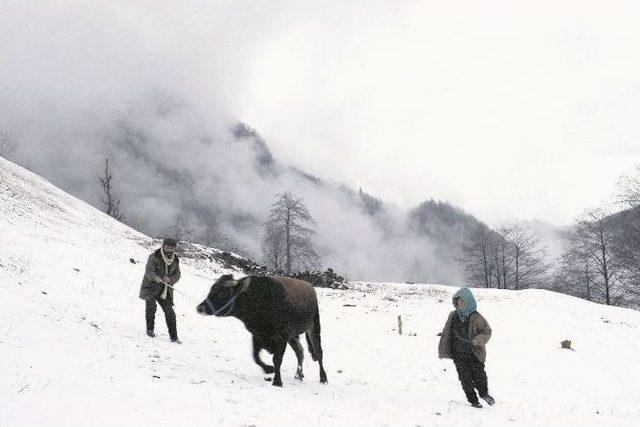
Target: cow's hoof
[
  {"x": 277, "y": 383},
  {"x": 323, "y": 379},
  {"x": 299, "y": 376},
  {"x": 268, "y": 369}
]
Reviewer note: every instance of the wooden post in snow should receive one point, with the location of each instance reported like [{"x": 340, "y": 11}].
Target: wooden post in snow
[{"x": 399, "y": 324}]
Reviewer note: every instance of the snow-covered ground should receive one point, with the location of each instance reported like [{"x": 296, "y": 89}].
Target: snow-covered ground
[{"x": 73, "y": 349}]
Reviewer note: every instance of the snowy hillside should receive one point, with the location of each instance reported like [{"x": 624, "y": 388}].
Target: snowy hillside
[{"x": 73, "y": 349}]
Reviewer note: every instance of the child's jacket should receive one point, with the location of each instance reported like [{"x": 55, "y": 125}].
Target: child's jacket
[{"x": 479, "y": 335}]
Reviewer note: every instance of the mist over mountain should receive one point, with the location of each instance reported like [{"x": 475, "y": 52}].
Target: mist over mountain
[
  {"x": 550, "y": 235},
  {"x": 161, "y": 98},
  {"x": 175, "y": 177}
]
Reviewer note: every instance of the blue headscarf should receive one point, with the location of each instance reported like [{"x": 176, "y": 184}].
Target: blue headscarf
[{"x": 470, "y": 307}]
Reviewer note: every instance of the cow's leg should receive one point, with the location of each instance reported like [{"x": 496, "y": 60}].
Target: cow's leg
[
  {"x": 313, "y": 337},
  {"x": 297, "y": 348},
  {"x": 257, "y": 346},
  {"x": 323, "y": 374},
  {"x": 279, "y": 346}
]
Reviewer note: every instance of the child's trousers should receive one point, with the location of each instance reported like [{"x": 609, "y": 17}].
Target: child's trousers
[{"x": 472, "y": 376}]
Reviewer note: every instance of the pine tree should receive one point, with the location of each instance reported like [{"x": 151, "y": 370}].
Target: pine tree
[{"x": 288, "y": 232}]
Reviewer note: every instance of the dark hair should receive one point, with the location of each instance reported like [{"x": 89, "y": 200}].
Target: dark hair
[{"x": 170, "y": 242}]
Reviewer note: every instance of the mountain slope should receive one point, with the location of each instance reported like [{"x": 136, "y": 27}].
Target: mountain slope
[
  {"x": 176, "y": 173},
  {"x": 73, "y": 350}
]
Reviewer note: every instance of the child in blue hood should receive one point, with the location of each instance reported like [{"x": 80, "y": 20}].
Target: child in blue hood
[{"x": 463, "y": 339}]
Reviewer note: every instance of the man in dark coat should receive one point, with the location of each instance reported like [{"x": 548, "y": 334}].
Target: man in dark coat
[
  {"x": 463, "y": 339},
  {"x": 162, "y": 272}
]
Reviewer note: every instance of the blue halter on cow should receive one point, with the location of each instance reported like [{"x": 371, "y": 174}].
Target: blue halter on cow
[{"x": 276, "y": 310}]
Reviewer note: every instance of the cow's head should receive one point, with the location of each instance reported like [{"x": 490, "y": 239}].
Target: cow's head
[{"x": 222, "y": 296}]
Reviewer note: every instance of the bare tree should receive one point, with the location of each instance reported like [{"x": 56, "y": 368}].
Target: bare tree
[
  {"x": 627, "y": 252},
  {"x": 509, "y": 258},
  {"x": 477, "y": 258},
  {"x": 273, "y": 248},
  {"x": 628, "y": 191},
  {"x": 577, "y": 270},
  {"x": 601, "y": 261},
  {"x": 8, "y": 144},
  {"x": 528, "y": 258},
  {"x": 596, "y": 240},
  {"x": 602, "y": 255},
  {"x": 287, "y": 242},
  {"x": 504, "y": 253},
  {"x": 110, "y": 199},
  {"x": 628, "y": 236},
  {"x": 497, "y": 244}
]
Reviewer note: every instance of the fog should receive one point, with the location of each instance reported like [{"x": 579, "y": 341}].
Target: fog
[{"x": 158, "y": 88}]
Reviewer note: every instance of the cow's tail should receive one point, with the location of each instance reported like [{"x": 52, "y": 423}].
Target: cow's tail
[{"x": 313, "y": 338}]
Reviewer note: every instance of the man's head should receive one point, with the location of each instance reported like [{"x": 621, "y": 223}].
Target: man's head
[{"x": 169, "y": 246}]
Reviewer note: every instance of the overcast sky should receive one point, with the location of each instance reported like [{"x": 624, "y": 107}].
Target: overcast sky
[{"x": 505, "y": 108}]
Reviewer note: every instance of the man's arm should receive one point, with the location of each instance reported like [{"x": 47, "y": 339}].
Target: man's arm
[
  {"x": 150, "y": 270},
  {"x": 173, "y": 278}
]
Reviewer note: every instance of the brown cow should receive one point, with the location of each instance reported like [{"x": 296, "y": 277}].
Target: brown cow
[{"x": 276, "y": 310}]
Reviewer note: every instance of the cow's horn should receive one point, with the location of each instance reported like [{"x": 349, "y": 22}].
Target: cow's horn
[{"x": 229, "y": 283}]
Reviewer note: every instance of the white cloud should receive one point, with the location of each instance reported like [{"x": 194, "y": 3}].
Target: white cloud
[{"x": 494, "y": 105}]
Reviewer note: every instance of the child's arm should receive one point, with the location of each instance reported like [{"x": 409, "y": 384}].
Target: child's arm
[
  {"x": 444, "y": 346},
  {"x": 484, "y": 333}
]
